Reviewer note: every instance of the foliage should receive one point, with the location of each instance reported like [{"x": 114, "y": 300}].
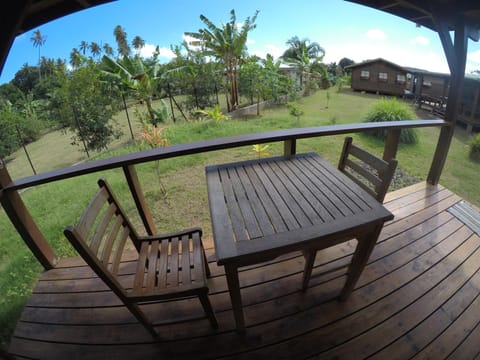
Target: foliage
[
  {"x": 133, "y": 73},
  {"x": 228, "y": 44},
  {"x": 306, "y": 57},
  {"x": 392, "y": 110},
  {"x": 261, "y": 150},
  {"x": 156, "y": 137},
  {"x": 214, "y": 114},
  {"x": 193, "y": 74},
  {"x": 474, "y": 144},
  {"x": 91, "y": 109},
  {"x": 295, "y": 110}
]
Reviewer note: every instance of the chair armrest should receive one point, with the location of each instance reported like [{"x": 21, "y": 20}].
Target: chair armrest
[{"x": 170, "y": 235}]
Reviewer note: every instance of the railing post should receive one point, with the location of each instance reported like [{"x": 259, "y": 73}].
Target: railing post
[
  {"x": 23, "y": 222},
  {"x": 290, "y": 147},
  {"x": 391, "y": 144},
  {"x": 137, "y": 193}
]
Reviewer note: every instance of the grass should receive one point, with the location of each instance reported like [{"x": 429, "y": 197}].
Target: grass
[{"x": 185, "y": 181}]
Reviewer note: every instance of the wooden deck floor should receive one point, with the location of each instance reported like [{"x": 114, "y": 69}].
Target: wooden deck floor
[{"x": 417, "y": 298}]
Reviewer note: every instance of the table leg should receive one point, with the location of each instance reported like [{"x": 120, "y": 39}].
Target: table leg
[
  {"x": 364, "y": 248},
  {"x": 231, "y": 272}
]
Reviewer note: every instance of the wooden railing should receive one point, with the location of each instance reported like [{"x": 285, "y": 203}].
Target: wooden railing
[{"x": 26, "y": 227}]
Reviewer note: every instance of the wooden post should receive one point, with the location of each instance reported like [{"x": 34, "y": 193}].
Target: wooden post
[
  {"x": 289, "y": 147},
  {"x": 456, "y": 55},
  {"x": 23, "y": 221},
  {"x": 391, "y": 144},
  {"x": 137, "y": 193}
]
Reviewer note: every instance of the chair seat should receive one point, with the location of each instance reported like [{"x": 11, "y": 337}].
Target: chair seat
[{"x": 169, "y": 266}]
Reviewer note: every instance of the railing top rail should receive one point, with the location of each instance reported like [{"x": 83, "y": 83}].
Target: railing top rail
[{"x": 211, "y": 145}]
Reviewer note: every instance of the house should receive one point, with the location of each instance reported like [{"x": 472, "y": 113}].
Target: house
[
  {"x": 430, "y": 90},
  {"x": 379, "y": 76}
]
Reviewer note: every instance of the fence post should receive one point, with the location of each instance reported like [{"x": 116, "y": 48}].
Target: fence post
[
  {"x": 289, "y": 147},
  {"x": 23, "y": 221},
  {"x": 137, "y": 193}
]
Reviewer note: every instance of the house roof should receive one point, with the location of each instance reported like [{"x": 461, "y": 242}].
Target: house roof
[
  {"x": 425, "y": 12},
  {"x": 373, "y": 61}
]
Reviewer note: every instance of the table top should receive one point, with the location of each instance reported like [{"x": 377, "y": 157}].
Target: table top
[{"x": 265, "y": 207}]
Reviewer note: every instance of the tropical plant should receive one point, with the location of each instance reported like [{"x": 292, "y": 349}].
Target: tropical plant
[
  {"x": 392, "y": 110},
  {"x": 214, "y": 114},
  {"x": 137, "y": 75},
  {"x": 38, "y": 40},
  {"x": 138, "y": 43},
  {"x": 155, "y": 137},
  {"x": 228, "y": 45},
  {"x": 474, "y": 144},
  {"x": 260, "y": 150},
  {"x": 306, "y": 57},
  {"x": 121, "y": 39},
  {"x": 295, "y": 110}
]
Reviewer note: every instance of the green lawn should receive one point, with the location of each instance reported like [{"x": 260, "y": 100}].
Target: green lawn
[{"x": 57, "y": 205}]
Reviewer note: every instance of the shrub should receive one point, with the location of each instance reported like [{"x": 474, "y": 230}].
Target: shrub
[
  {"x": 392, "y": 110},
  {"x": 475, "y": 147}
]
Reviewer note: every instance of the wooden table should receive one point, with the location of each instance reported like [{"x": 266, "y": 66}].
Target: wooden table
[{"x": 263, "y": 208}]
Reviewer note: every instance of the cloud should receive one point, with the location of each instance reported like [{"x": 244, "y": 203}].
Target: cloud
[
  {"x": 421, "y": 40},
  {"x": 376, "y": 34},
  {"x": 148, "y": 50}
]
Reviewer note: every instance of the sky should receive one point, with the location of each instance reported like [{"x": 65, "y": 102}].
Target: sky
[{"x": 342, "y": 28}]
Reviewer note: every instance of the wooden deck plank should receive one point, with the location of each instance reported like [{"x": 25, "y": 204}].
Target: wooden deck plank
[{"x": 418, "y": 296}]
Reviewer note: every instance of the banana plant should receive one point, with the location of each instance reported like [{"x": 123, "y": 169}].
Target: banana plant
[{"x": 132, "y": 73}]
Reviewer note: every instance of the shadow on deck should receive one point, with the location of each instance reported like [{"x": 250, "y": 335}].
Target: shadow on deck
[{"x": 419, "y": 295}]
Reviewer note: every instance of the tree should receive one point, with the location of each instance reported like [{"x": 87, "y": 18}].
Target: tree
[
  {"x": 108, "y": 50},
  {"x": 134, "y": 74},
  {"x": 95, "y": 49},
  {"x": 344, "y": 62},
  {"x": 83, "y": 46},
  {"x": 228, "y": 45},
  {"x": 122, "y": 44},
  {"x": 91, "y": 108},
  {"x": 38, "y": 40},
  {"x": 138, "y": 43},
  {"x": 303, "y": 55}
]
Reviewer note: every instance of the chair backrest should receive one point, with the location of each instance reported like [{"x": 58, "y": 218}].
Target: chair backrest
[
  {"x": 101, "y": 236},
  {"x": 370, "y": 172}
]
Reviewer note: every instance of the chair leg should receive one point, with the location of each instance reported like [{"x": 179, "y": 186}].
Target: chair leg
[
  {"x": 309, "y": 256},
  {"x": 138, "y": 313},
  {"x": 207, "y": 268},
  {"x": 207, "y": 307}
]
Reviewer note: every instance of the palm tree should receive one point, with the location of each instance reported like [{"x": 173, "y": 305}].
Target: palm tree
[
  {"x": 228, "y": 44},
  {"x": 83, "y": 46},
  {"x": 107, "y": 49},
  {"x": 38, "y": 40},
  {"x": 95, "y": 49},
  {"x": 121, "y": 38},
  {"x": 138, "y": 43},
  {"x": 304, "y": 55},
  {"x": 75, "y": 58}
]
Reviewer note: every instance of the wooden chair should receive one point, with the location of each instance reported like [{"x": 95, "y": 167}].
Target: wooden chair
[
  {"x": 370, "y": 172},
  {"x": 168, "y": 266}
]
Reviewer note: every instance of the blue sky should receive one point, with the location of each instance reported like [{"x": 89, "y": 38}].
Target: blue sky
[{"x": 342, "y": 28}]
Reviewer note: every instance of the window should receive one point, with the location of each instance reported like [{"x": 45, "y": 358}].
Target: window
[
  {"x": 365, "y": 74},
  {"x": 401, "y": 79},
  {"x": 427, "y": 83},
  {"x": 383, "y": 76}
]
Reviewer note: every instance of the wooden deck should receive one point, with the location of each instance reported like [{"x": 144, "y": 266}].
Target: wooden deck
[{"x": 418, "y": 297}]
